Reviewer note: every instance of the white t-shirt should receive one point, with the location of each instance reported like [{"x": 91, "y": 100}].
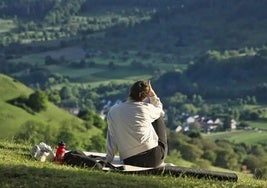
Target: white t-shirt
[{"x": 130, "y": 129}]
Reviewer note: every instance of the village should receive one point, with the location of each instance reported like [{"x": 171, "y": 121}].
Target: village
[
  {"x": 204, "y": 124},
  {"x": 188, "y": 122}
]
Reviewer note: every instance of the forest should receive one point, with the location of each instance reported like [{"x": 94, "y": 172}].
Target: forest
[{"x": 205, "y": 58}]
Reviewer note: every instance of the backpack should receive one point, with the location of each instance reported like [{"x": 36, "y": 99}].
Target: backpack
[{"x": 79, "y": 159}]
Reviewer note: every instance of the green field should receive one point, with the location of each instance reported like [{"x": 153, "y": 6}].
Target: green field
[
  {"x": 17, "y": 169},
  {"x": 6, "y": 25},
  {"x": 100, "y": 72},
  {"x": 239, "y": 136},
  {"x": 260, "y": 124}
]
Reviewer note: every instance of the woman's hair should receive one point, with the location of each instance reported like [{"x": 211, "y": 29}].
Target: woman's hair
[{"x": 139, "y": 91}]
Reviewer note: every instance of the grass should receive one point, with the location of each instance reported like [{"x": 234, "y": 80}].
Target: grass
[
  {"x": 10, "y": 87},
  {"x": 12, "y": 117},
  {"x": 18, "y": 169},
  {"x": 101, "y": 72},
  {"x": 239, "y": 136},
  {"x": 6, "y": 25},
  {"x": 260, "y": 124}
]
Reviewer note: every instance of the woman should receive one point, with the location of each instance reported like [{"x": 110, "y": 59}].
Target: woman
[{"x": 136, "y": 128}]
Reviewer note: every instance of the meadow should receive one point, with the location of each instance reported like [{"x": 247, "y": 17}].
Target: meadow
[
  {"x": 6, "y": 25},
  {"x": 239, "y": 136},
  {"x": 260, "y": 124},
  {"x": 18, "y": 169},
  {"x": 107, "y": 67}
]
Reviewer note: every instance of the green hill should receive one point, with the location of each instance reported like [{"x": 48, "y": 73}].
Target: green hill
[{"x": 13, "y": 117}]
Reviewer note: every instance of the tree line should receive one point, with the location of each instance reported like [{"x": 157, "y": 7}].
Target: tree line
[{"x": 220, "y": 153}]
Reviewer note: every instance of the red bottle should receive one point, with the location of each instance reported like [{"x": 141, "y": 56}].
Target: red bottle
[{"x": 59, "y": 158}]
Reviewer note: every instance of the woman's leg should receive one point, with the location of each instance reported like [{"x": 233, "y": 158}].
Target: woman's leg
[
  {"x": 160, "y": 128},
  {"x": 150, "y": 158}
]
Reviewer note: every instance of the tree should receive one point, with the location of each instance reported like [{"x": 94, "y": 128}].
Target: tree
[
  {"x": 49, "y": 60},
  {"x": 111, "y": 65},
  {"x": 54, "y": 97},
  {"x": 65, "y": 93},
  {"x": 226, "y": 158},
  {"x": 177, "y": 99},
  {"x": 38, "y": 101},
  {"x": 210, "y": 156},
  {"x": 92, "y": 118},
  {"x": 244, "y": 124},
  {"x": 188, "y": 108},
  {"x": 197, "y": 100},
  {"x": 227, "y": 122},
  {"x": 190, "y": 152},
  {"x": 262, "y": 52},
  {"x": 252, "y": 162},
  {"x": 97, "y": 143}
]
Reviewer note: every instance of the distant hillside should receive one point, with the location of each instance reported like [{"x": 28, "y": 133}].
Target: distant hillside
[
  {"x": 88, "y": 50},
  {"x": 228, "y": 75},
  {"x": 12, "y": 117}
]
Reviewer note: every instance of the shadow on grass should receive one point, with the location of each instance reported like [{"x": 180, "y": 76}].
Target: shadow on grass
[
  {"x": 65, "y": 176},
  {"x": 29, "y": 176}
]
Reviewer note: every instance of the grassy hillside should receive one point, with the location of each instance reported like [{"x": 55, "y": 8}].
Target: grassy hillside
[
  {"x": 17, "y": 169},
  {"x": 12, "y": 117}
]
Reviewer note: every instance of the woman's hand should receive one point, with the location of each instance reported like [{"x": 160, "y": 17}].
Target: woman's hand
[{"x": 151, "y": 91}]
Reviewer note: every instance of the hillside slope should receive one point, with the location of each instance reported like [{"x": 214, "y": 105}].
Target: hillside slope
[{"x": 12, "y": 117}]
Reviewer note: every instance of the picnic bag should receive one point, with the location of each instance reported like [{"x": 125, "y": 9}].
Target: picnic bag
[{"x": 80, "y": 159}]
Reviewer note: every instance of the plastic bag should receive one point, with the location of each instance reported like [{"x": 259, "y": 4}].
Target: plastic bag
[{"x": 42, "y": 152}]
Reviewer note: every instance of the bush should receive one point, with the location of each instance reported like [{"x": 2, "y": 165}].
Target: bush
[
  {"x": 174, "y": 157},
  {"x": 35, "y": 132},
  {"x": 244, "y": 124},
  {"x": 92, "y": 119},
  {"x": 190, "y": 152},
  {"x": 69, "y": 136},
  {"x": 97, "y": 143},
  {"x": 253, "y": 162},
  {"x": 210, "y": 156},
  {"x": 202, "y": 163},
  {"x": 261, "y": 173},
  {"x": 38, "y": 101},
  {"x": 227, "y": 158}
]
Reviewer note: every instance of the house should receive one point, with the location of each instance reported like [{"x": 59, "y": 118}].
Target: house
[
  {"x": 210, "y": 125},
  {"x": 74, "y": 111},
  {"x": 204, "y": 124},
  {"x": 233, "y": 124}
]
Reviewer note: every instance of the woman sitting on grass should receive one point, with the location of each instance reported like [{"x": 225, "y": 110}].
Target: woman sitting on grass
[{"x": 136, "y": 128}]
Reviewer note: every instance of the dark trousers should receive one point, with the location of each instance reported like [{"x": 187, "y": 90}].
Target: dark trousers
[{"x": 155, "y": 156}]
